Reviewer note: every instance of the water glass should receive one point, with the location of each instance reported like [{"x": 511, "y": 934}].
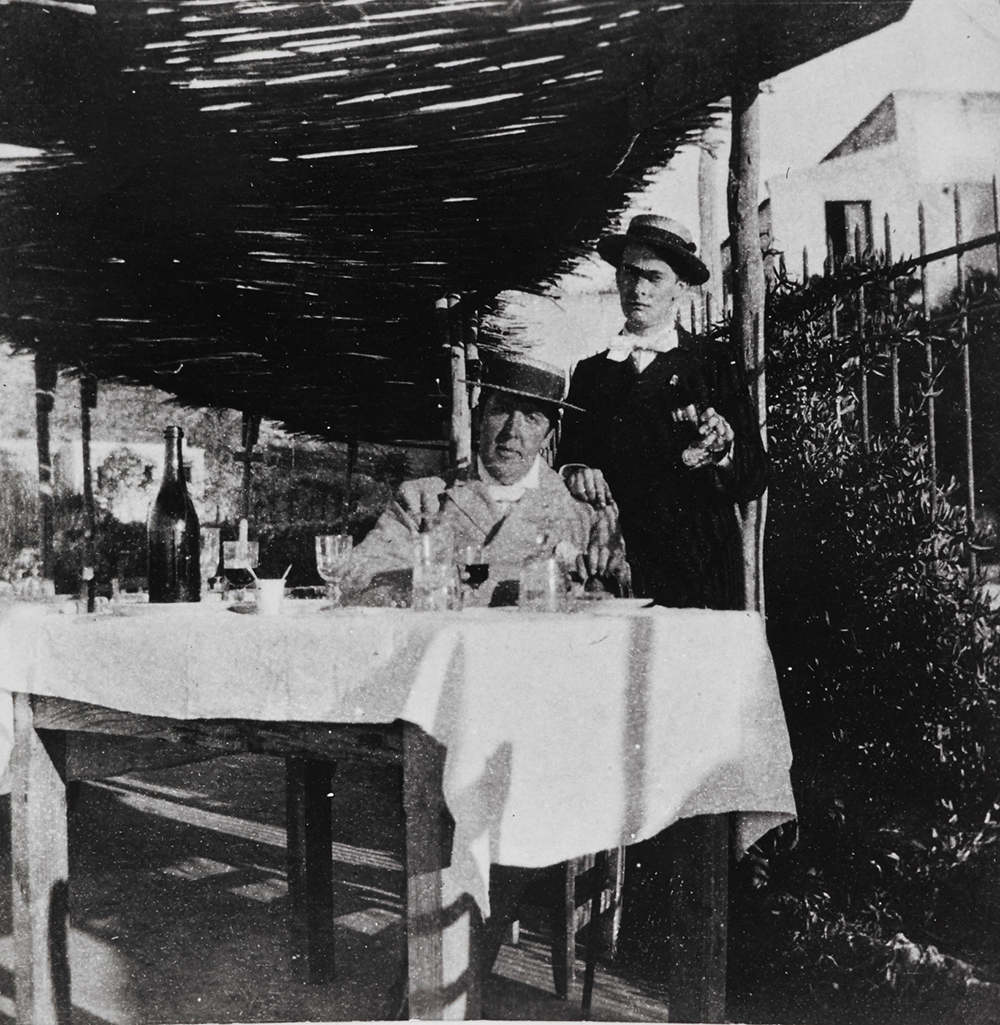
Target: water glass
[
  {"x": 435, "y": 578},
  {"x": 543, "y": 585}
]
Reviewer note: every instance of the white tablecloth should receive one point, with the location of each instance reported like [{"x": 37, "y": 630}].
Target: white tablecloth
[{"x": 565, "y": 734}]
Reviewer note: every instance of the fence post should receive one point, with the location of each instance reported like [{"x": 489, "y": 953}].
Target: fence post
[
  {"x": 929, "y": 351},
  {"x": 963, "y": 327},
  {"x": 862, "y": 325},
  {"x": 893, "y": 306}
]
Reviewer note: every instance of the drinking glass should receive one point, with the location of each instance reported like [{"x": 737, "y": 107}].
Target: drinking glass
[
  {"x": 473, "y": 568},
  {"x": 210, "y": 550},
  {"x": 239, "y": 559},
  {"x": 435, "y": 577},
  {"x": 333, "y": 552}
]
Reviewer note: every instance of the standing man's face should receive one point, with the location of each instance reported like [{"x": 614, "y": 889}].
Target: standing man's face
[
  {"x": 512, "y": 433},
  {"x": 648, "y": 288}
]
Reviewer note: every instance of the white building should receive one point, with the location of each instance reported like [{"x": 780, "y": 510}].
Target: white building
[
  {"x": 126, "y": 474},
  {"x": 914, "y": 147}
]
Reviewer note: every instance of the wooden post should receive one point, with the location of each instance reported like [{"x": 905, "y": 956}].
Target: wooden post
[
  {"x": 748, "y": 292},
  {"x": 250, "y": 434},
  {"x": 893, "y": 307},
  {"x": 88, "y": 401},
  {"x": 460, "y": 420},
  {"x": 996, "y": 225},
  {"x": 805, "y": 266},
  {"x": 970, "y": 474},
  {"x": 40, "y": 870},
  {"x": 862, "y": 329},
  {"x": 708, "y": 235},
  {"x": 46, "y": 378},
  {"x": 929, "y": 352}
]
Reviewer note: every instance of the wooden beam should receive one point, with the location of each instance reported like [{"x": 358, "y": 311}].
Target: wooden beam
[{"x": 749, "y": 290}]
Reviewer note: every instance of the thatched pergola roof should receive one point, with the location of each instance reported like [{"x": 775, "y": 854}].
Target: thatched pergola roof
[{"x": 255, "y": 203}]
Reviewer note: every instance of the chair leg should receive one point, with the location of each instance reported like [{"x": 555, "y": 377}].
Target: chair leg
[{"x": 594, "y": 937}]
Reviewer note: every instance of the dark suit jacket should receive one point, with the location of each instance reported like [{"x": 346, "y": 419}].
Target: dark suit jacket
[{"x": 680, "y": 525}]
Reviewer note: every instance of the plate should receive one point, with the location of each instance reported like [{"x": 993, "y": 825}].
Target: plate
[
  {"x": 616, "y": 606},
  {"x": 129, "y": 610}
]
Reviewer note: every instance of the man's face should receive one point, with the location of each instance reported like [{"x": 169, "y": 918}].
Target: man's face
[
  {"x": 512, "y": 432},
  {"x": 648, "y": 288}
]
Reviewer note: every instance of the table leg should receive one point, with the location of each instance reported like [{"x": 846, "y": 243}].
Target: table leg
[
  {"x": 698, "y": 863},
  {"x": 443, "y": 927},
  {"x": 309, "y": 827},
  {"x": 40, "y": 871}
]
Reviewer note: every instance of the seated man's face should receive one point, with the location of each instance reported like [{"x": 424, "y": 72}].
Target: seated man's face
[{"x": 511, "y": 434}]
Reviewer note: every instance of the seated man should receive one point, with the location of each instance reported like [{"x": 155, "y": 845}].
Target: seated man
[{"x": 510, "y": 498}]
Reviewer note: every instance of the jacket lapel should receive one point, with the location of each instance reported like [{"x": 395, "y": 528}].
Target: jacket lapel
[{"x": 474, "y": 505}]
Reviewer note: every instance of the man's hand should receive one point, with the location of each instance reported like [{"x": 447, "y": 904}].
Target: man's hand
[
  {"x": 605, "y": 552},
  {"x": 714, "y": 444},
  {"x": 588, "y": 485}
]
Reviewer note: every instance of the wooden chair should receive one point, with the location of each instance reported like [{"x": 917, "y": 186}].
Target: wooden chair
[{"x": 582, "y": 892}]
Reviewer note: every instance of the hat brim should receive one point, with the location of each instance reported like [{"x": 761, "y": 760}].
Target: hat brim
[
  {"x": 558, "y": 403},
  {"x": 687, "y": 265}
]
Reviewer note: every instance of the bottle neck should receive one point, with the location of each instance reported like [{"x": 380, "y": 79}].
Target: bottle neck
[{"x": 172, "y": 454}]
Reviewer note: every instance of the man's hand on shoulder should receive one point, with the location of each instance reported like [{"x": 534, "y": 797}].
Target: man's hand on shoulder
[{"x": 587, "y": 484}]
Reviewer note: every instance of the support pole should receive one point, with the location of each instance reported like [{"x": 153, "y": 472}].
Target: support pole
[
  {"x": 460, "y": 421},
  {"x": 748, "y": 293},
  {"x": 88, "y": 401},
  {"x": 46, "y": 377},
  {"x": 251, "y": 432}
]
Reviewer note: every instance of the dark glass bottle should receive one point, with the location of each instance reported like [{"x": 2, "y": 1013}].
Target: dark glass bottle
[{"x": 173, "y": 534}]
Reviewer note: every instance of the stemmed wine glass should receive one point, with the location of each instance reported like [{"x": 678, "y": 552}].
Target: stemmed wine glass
[{"x": 332, "y": 554}]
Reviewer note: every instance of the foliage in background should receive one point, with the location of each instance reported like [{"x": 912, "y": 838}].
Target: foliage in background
[{"x": 890, "y": 673}]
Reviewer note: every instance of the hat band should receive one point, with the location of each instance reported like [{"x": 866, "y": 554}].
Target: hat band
[{"x": 658, "y": 235}]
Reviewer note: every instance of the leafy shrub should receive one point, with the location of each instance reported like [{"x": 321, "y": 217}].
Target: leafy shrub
[{"x": 890, "y": 673}]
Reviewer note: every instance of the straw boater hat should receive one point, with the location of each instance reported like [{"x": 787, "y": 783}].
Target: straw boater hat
[
  {"x": 667, "y": 237},
  {"x": 529, "y": 378}
]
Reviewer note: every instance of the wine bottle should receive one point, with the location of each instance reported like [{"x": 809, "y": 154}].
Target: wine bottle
[{"x": 173, "y": 534}]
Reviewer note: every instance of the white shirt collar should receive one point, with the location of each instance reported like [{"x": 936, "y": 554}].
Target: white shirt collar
[
  {"x": 624, "y": 343},
  {"x": 510, "y": 492}
]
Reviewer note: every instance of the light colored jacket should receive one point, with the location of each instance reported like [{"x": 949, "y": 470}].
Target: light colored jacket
[{"x": 466, "y": 509}]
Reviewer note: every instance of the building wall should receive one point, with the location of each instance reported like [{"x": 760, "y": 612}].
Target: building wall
[{"x": 939, "y": 142}]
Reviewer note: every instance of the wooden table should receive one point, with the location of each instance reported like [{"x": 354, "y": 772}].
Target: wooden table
[{"x": 484, "y": 713}]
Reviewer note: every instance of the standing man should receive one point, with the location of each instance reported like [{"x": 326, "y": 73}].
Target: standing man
[{"x": 669, "y": 429}]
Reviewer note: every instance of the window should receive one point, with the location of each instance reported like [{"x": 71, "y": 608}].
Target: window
[{"x": 843, "y": 221}]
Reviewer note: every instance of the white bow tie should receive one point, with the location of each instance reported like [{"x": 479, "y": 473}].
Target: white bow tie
[{"x": 622, "y": 346}]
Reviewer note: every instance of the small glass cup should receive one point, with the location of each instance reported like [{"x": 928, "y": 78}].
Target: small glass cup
[
  {"x": 210, "y": 551},
  {"x": 333, "y": 552},
  {"x": 270, "y": 596}
]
